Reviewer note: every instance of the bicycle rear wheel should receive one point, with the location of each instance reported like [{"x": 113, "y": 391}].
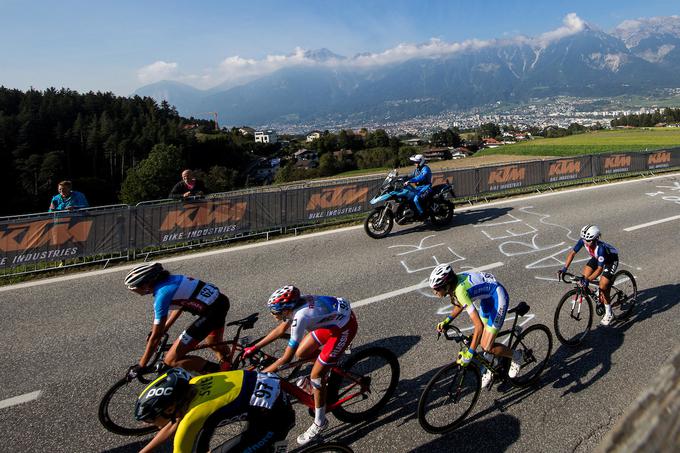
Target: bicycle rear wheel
[
  {"x": 623, "y": 294},
  {"x": 573, "y": 317},
  {"x": 449, "y": 397},
  {"x": 117, "y": 408},
  {"x": 535, "y": 343},
  {"x": 368, "y": 380}
]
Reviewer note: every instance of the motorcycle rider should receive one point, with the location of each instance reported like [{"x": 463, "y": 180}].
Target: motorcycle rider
[{"x": 422, "y": 178}]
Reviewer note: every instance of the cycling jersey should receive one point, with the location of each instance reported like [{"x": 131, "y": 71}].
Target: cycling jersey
[
  {"x": 317, "y": 312},
  {"x": 235, "y": 396},
  {"x": 601, "y": 251},
  {"x": 492, "y": 296},
  {"x": 194, "y": 296}
]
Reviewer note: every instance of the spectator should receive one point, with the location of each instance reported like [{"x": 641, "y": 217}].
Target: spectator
[
  {"x": 67, "y": 199},
  {"x": 189, "y": 186}
]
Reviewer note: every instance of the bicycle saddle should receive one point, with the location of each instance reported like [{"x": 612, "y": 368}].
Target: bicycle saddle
[
  {"x": 247, "y": 323},
  {"x": 521, "y": 309}
]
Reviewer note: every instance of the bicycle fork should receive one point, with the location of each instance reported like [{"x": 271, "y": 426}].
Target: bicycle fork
[{"x": 576, "y": 305}]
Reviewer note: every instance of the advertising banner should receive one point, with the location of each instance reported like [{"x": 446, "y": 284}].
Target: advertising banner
[
  {"x": 63, "y": 235},
  {"x": 609, "y": 164},
  {"x": 567, "y": 169},
  {"x": 664, "y": 158},
  {"x": 504, "y": 177}
]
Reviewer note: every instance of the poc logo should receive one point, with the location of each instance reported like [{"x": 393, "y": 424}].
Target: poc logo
[{"x": 159, "y": 392}]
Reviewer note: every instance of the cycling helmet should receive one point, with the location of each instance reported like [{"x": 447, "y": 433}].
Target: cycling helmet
[
  {"x": 161, "y": 394},
  {"x": 441, "y": 276},
  {"x": 143, "y": 274},
  {"x": 590, "y": 232},
  {"x": 283, "y": 298},
  {"x": 418, "y": 158}
]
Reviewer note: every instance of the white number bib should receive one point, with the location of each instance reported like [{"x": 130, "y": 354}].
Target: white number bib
[{"x": 267, "y": 389}]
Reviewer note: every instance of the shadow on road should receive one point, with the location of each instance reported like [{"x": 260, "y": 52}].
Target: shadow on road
[{"x": 464, "y": 218}]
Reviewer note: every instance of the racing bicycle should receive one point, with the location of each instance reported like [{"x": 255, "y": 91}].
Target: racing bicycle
[
  {"x": 453, "y": 391},
  {"x": 574, "y": 312},
  {"x": 116, "y": 409}
]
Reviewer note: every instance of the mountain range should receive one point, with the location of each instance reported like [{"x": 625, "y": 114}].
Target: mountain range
[{"x": 637, "y": 57}]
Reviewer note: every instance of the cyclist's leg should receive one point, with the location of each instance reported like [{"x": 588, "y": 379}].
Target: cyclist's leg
[
  {"x": 494, "y": 310},
  {"x": 309, "y": 347},
  {"x": 265, "y": 428},
  {"x": 219, "y": 314},
  {"x": 608, "y": 271},
  {"x": 589, "y": 268},
  {"x": 187, "y": 341}
]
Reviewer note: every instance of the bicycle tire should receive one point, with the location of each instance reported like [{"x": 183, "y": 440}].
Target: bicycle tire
[
  {"x": 331, "y": 447},
  {"x": 469, "y": 383},
  {"x": 565, "y": 323},
  {"x": 362, "y": 364},
  {"x": 623, "y": 301},
  {"x": 123, "y": 421},
  {"x": 529, "y": 353}
]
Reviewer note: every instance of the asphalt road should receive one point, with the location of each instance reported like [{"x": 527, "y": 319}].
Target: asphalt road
[{"x": 70, "y": 339}]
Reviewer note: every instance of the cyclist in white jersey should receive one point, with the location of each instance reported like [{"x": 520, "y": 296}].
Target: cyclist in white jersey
[{"x": 332, "y": 326}]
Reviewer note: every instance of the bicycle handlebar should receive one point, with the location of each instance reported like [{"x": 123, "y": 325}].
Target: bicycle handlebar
[
  {"x": 453, "y": 333},
  {"x": 572, "y": 278}
]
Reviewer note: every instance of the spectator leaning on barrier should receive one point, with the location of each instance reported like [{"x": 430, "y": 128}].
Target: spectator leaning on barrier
[
  {"x": 68, "y": 199},
  {"x": 189, "y": 186}
]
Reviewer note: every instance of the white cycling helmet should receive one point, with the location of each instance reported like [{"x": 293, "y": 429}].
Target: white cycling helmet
[
  {"x": 441, "y": 276},
  {"x": 143, "y": 274},
  {"x": 418, "y": 158},
  {"x": 590, "y": 232}
]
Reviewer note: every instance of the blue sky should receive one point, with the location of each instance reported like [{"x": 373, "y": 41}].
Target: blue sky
[{"x": 120, "y": 46}]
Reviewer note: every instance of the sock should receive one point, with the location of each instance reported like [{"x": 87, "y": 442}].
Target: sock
[
  {"x": 608, "y": 309},
  {"x": 320, "y": 416}
]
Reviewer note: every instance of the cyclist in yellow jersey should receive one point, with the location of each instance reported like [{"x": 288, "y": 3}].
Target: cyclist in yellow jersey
[{"x": 182, "y": 406}]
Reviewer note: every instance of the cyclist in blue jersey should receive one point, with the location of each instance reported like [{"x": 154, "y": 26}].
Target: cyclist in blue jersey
[
  {"x": 422, "y": 178},
  {"x": 174, "y": 294},
  {"x": 604, "y": 259},
  {"x": 493, "y": 299},
  {"x": 332, "y": 326}
]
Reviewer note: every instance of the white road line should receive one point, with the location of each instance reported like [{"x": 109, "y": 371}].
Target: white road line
[
  {"x": 310, "y": 235},
  {"x": 20, "y": 399},
  {"x": 655, "y": 222},
  {"x": 408, "y": 289}
]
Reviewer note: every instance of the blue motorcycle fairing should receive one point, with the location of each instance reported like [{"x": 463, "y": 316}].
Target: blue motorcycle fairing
[{"x": 408, "y": 192}]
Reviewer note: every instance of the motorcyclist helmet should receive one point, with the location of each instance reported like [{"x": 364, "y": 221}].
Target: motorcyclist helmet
[{"x": 418, "y": 159}]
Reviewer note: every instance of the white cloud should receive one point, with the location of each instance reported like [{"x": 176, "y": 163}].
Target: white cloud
[
  {"x": 159, "y": 70},
  {"x": 235, "y": 70}
]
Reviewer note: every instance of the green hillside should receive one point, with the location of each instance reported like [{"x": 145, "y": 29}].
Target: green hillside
[{"x": 593, "y": 142}]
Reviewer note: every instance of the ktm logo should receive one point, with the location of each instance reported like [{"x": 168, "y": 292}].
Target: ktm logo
[
  {"x": 337, "y": 196},
  {"x": 663, "y": 157},
  {"x": 564, "y": 167},
  {"x": 616, "y": 162},
  {"x": 52, "y": 232},
  {"x": 506, "y": 174},
  {"x": 200, "y": 215}
]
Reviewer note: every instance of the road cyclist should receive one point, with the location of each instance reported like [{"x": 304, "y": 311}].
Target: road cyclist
[
  {"x": 331, "y": 326},
  {"x": 174, "y": 294},
  {"x": 603, "y": 262},
  {"x": 463, "y": 289}
]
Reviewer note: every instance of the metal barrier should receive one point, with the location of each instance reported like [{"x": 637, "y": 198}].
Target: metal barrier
[{"x": 35, "y": 242}]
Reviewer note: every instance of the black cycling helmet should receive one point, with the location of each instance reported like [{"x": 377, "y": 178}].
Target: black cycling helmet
[
  {"x": 145, "y": 273},
  {"x": 162, "y": 393}
]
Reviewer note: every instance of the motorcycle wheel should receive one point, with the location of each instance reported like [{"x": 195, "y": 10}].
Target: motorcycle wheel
[
  {"x": 376, "y": 229},
  {"x": 442, "y": 213}
]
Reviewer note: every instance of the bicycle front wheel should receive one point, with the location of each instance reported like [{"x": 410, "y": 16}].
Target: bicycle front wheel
[
  {"x": 367, "y": 381},
  {"x": 117, "y": 409},
  {"x": 535, "y": 343},
  {"x": 449, "y": 397},
  {"x": 623, "y": 294},
  {"x": 573, "y": 317}
]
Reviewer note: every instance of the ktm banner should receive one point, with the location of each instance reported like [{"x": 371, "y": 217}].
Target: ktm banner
[
  {"x": 659, "y": 159},
  {"x": 620, "y": 163},
  {"x": 568, "y": 169},
  {"x": 510, "y": 176},
  {"x": 327, "y": 202},
  {"x": 60, "y": 236}
]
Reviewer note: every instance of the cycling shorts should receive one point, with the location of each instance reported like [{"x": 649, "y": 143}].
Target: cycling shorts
[
  {"x": 335, "y": 340},
  {"x": 608, "y": 268},
  {"x": 494, "y": 308},
  {"x": 211, "y": 322}
]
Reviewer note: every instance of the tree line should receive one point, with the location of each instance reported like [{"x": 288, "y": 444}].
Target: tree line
[{"x": 668, "y": 115}]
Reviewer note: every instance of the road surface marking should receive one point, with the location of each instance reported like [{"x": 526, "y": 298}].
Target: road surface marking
[
  {"x": 20, "y": 399},
  {"x": 655, "y": 222},
  {"x": 408, "y": 289}
]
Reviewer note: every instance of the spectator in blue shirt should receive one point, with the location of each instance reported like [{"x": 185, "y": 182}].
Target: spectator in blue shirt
[{"x": 67, "y": 199}]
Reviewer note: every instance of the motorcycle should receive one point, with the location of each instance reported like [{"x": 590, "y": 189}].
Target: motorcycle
[{"x": 399, "y": 207}]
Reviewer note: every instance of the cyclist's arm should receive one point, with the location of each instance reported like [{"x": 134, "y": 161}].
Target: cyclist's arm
[
  {"x": 570, "y": 258},
  {"x": 274, "y": 335},
  {"x": 456, "y": 311},
  {"x": 161, "y": 437},
  {"x": 157, "y": 331},
  {"x": 285, "y": 358},
  {"x": 174, "y": 314}
]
